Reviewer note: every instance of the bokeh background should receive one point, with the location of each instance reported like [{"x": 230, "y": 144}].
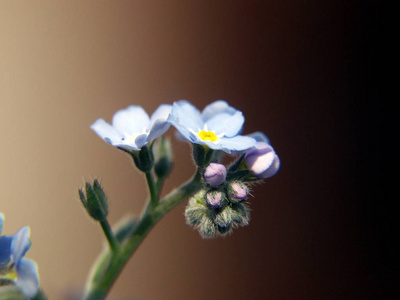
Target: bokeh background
[{"x": 303, "y": 72}]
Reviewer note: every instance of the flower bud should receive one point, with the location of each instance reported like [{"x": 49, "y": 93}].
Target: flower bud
[
  {"x": 262, "y": 161},
  {"x": 214, "y": 198},
  {"x": 163, "y": 154},
  {"x": 94, "y": 200},
  {"x": 215, "y": 174},
  {"x": 237, "y": 191}
]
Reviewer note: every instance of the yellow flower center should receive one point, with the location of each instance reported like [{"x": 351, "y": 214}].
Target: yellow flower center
[
  {"x": 207, "y": 136},
  {"x": 10, "y": 275}
]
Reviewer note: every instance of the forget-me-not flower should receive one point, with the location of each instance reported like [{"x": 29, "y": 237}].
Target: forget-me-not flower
[
  {"x": 217, "y": 126},
  {"x": 132, "y": 128},
  {"x": 14, "y": 268}
]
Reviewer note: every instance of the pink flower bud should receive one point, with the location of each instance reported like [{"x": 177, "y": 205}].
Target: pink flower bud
[
  {"x": 238, "y": 191},
  {"x": 262, "y": 160},
  {"x": 215, "y": 174},
  {"x": 214, "y": 198}
]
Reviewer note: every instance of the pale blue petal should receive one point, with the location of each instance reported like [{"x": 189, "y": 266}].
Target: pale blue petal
[
  {"x": 5, "y": 250},
  {"x": 130, "y": 146},
  {"x": 209, "y": 144},
  {"x": 215, "y": 108},
  {"x": 229, "y": 125},
  {"x": 1, "y": 222},
  {"x": 259, "y": 137},
  {"x": 131, "y": 120},
  {"x": 28, "y": 278},
  {"x": 20, "y": 243},
  {"x": 184, "y": 116},
  {"x": 107, "y": 132},
  {"x": 237, "y": 143},
  {"x": 162, "y": 112},
  {"x": 141, "y": 140},
  {"x": 158, "y": 128}
]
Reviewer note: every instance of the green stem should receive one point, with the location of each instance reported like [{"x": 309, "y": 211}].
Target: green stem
[
  {"x": 110, "y": 264},
  {"x": 152, "y": 189},
  {"x": 109, "y": 235}
]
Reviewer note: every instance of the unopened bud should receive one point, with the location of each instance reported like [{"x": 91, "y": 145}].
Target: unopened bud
[
  {"x": 94, "y": 200},
  {"x": 262, "y": 161},
  {"x": 237, "y": 191},
  {"x": 214, "y": 198},
  {"x": 215, "y": 174},
  {"x": 163, "y": 154}
]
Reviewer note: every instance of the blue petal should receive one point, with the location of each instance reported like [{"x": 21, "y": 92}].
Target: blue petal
[
  {"x": 107, "y": 132},
  {"x": 20, "y": 243},
  {"x": 5, "y": 250},
  {"x": 226, "y": 123},
  {"x": 141, "y": 140},
  {"x": 128, "y": 145},
  {"x": 215, "y": 108},
  {"x": 162, "y": 112},
  {"x": 131, "y": 120},
  {"x": 28, "y": 278},
  {"x": 259, "y": 137},
  {"x": 158, "y": 128},
  {"x": 1, "y": 222},
  {"x": 237, "y": 143},
  {"x": 185, "y": 116}
]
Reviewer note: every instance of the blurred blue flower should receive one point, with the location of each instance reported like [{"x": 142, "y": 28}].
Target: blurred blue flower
[
  {"x": 14, "y": 268},
  {"x": 132, "y": 128},
  {"x": 218, "y": 126}
]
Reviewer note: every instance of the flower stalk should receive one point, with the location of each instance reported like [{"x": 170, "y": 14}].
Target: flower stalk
[
  {"x": 110, "y": 264},
  {"x": 112, "y": 241}
]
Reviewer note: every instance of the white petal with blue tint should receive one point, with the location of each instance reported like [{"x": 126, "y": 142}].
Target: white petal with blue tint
[
  {"x": 237, "y": 143},
  {"x": 217, "y": 126},
  {"x": 20, "y": 243},
  {"x": 185, "y": 117},
  {"x": 131, "y": 120},
  {"x": 28, "y": 279},
  {"x": 228, "y": 124},
  {"x": 107, "y": 132},
  {"x": 1, "y": 222},
  {"x": 216, "y": 108},
  {"x": 132, "y": 128}
]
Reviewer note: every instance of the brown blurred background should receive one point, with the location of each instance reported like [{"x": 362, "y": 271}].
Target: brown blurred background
[{"x": 303, "y": 72}]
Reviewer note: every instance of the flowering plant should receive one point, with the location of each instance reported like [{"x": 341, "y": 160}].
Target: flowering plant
[{"x": 217, "y": 193}]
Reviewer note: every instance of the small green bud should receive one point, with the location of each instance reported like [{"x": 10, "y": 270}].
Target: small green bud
[
  {"x": 207, "y": 228},
  {"x": 163, "y": 154},
  {"x": 224, "y": 217},
  {"x": 240, "y": 214},
  {"x": 94, "y": 200},
  {"x": 196, "y": 208}
]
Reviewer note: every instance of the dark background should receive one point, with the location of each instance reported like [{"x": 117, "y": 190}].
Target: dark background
[{"x": 303, "y": 72}]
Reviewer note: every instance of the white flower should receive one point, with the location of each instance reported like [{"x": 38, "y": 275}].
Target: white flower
[{"x": 132, "y": 128}]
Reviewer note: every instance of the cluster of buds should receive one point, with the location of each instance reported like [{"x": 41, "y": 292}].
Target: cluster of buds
[{"x": 220, "y": 206}]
